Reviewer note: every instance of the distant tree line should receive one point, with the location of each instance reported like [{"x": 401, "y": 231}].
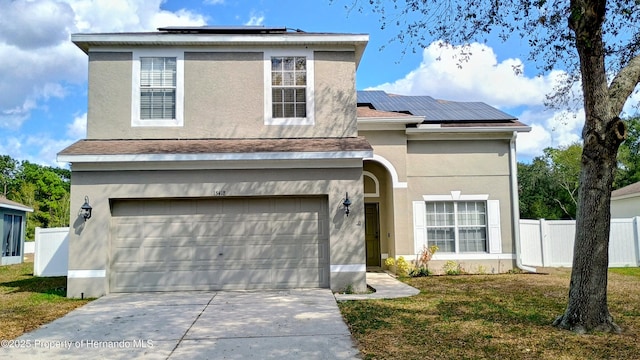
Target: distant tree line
[
  {"x": 43, "y": 188},
  {"x": 548, "y": 186}
]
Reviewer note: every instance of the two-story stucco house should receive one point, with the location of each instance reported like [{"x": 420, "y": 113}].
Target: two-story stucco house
[{"x": 244, "y": 158}]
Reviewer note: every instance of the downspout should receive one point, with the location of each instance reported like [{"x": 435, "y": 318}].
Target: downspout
[{"x": 515, "y": 202}]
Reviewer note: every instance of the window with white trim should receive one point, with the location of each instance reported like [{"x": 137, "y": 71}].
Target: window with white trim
[
  {"x": 157, "y": 88},
  {"x": 458, "y": 223},
  {"x": 157, "y": 91},
  {"x": 289, "y": 88},
  {"x": 457, "y": 226}
]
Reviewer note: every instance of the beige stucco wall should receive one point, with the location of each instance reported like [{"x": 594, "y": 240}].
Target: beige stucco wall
[
  {"x": 473, "y": 166},
  {"x": 392, "y": 144},
  {"x": 458, "y": 158},
  {"x": 109, "y": 96},
  {"x": 625, "y": 208},
  {"x": 89, "y": 241},
  {"x": 223, "y": 97}
]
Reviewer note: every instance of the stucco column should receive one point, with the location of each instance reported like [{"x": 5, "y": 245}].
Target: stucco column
[{"x": 347, "y": 239}]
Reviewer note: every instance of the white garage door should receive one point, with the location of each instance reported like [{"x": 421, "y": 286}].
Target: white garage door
[{"x": 212, "y": 244}]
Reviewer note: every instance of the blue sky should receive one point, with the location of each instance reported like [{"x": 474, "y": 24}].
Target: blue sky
[{"x": 43, "y": 80}]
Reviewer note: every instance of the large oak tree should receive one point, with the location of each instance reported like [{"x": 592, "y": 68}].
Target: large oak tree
[{"x": 598, "y": 43}]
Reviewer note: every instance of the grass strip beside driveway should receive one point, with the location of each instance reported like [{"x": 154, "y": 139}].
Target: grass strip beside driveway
[
  {"x": 492, "y": 317},
  {"x": 27, "y": 301}
]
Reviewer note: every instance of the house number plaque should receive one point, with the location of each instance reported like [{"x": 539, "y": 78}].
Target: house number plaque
[{"x": 219, "y": 193}]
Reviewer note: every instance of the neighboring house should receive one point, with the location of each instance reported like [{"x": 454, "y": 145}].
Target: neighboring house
[
  {"x": 625, "y": 202},
  {"x": 223, "y": 158},
  {"x": 443, "y": 173},
  {"x": 12, "y": 228}
]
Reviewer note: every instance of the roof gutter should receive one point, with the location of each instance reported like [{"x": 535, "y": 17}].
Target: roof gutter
[
  {"x": 515, "y": 203},
  {"x": 469, "y": 129},
  {"x": 317, "y": 155},
  {"x": 15, "y": 207}
]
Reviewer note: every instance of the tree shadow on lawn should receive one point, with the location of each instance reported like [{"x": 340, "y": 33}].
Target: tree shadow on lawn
[{"x": 45, "y": 285}]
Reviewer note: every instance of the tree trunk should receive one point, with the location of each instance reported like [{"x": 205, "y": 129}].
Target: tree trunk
[{"x": 587, "y": 308}]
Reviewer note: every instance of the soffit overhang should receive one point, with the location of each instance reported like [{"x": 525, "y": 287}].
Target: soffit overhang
[{"x": 89, "y": 42}]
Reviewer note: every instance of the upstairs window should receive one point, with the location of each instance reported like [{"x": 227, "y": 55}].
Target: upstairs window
[
  {"x": 158, "y": 86},
  {"x": 289, "y": 88}
]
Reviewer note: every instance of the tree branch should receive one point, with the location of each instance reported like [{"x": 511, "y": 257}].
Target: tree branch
[
  {"x": 623, "y": 84},
  {"x": 564, "y": 208}
]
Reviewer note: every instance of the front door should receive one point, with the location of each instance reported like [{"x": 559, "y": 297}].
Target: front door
[{"x": 372, "y": 234}]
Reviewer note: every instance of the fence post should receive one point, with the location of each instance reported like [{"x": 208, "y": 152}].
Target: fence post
[
  {"x": 37, "y": 252},
  {"x": 636, "y": 235},
  {"x": 543, "y": 236}
]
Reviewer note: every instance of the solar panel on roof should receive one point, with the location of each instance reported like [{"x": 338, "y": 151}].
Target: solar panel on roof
[
  {"x": 432, "y": 109},
  {"x": 223, "y": 29}
]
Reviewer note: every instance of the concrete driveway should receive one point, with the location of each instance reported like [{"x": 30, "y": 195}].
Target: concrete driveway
[{"x": 288, "y": 324}]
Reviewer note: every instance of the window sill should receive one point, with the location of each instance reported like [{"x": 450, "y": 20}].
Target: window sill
[{"x": 289, "y": 121}]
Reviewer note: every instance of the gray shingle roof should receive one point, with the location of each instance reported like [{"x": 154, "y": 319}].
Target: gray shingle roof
[
  {"x": 627, "y": 190},
  {"x": 214, "y": 146},
  {"x": 8, "y": 204},
  {"x": 433, "y": 109}
]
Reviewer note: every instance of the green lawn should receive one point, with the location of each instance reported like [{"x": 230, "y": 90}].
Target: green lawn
[
  {"x": 26, "y": 301},
  {"x": 492, "y": 317}
]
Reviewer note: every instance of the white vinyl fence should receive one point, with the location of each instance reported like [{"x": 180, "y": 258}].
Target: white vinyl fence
[
  {"x": 29, "y": 247},
  {"x": 51, "y": 256},
  {"x": 549, "y": 243}
]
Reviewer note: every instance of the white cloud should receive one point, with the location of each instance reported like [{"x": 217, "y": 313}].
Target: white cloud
[
  {"x": 13, "y": 118},
  {"x": 38, "y": 58},
  {"x": 632, "y": 106},
  {"x": 35, "y": 24},
  {"x": 78, "y": 128},
  {"x": 43, "y": 147},
  {"x": 128, "y": 15},
  {"x": 256, "y": 19},
  {"x": 529, "y": 144},
  {"x": 475, "y": 74},
  {"x": 479, "y": 77},
  {"x": 39, "y": 149},
  {"x": 549, "y": 129}
]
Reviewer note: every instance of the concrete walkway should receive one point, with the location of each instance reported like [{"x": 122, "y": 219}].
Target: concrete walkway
[
  {"x": 291, "y": 324},
  {"x": 386, "y": 286}
]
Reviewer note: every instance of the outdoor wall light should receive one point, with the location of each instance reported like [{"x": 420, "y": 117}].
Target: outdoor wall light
[
  {"x": 85, "y": 209},
  {"x": 346, "y": 203}
]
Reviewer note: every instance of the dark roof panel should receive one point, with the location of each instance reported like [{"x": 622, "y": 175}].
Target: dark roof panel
[
  {"x": 433, "y": 109},
  {"x": 223, "y": 29}
]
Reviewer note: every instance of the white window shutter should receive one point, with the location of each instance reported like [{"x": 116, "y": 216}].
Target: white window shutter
[
  {"x": 493, "y": 220},
  {"x": 419, "y": 225}
]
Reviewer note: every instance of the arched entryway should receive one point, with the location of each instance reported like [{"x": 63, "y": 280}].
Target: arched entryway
[{"x": 379, "y": 224}]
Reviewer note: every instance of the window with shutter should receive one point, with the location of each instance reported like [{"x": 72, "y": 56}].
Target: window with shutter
[{"x": 457, "y": 226}]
